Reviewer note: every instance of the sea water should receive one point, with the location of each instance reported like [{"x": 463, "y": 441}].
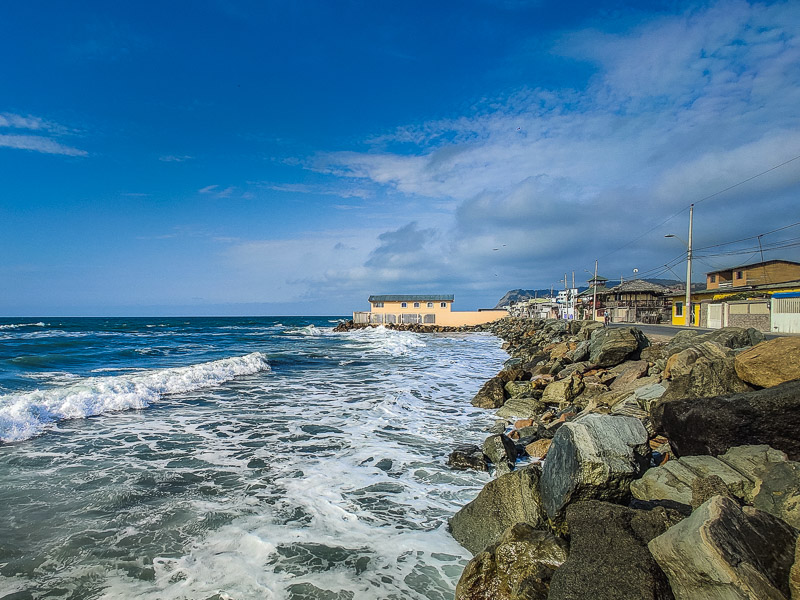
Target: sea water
[{"x": 233, "y": 458}]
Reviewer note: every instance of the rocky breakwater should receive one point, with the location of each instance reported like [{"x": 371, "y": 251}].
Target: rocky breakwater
[{"x": 630, "y": 470}]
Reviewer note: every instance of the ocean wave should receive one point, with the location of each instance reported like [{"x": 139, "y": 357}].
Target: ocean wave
[
  {"x": 307, "y": 330},
  {"x": 386, "y": 341},
  {"x": 18, "y": 325},
  {"x": 23, "y": 416}
]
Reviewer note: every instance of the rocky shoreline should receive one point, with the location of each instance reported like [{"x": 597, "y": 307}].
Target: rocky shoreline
[{"x": 626, "y": 469}]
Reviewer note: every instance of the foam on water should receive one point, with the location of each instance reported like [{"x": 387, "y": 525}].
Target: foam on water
[
  {"x": 324, "y": 479},
  {"x": 23, "y": 416},
  {"x": 19, "y": 325}
]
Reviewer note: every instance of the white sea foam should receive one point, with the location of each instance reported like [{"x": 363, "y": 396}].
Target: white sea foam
[
  {"x": 18, "y": 325},
  {"x": 23, "y": 416},
  {"x": 379, "y": 340},
  {"x": 307, "y": 330}
]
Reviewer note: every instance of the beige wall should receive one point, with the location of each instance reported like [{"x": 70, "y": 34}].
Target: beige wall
[
  {"x": 457, "y": 319},
  {"x": 396, "y": 308}
]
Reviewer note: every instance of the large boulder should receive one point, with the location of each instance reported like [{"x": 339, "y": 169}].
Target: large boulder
[
  {"x": 627, "y": 374},
  {"x": 770, "y": 363},
  {"x": 703, "y": 370},
  {"x": 608, "y": 557},
  {"x": 594, "y": 457},
  {"x": 723, "y": 551},
  {"x": 503, "y": 502},
  {"x": 729, "y": 337},
  {"x": 518, "y": 567},
  {"x": 713, "y": 425},
  {"x": 523, "y": 407},
  {"x": 610, "y": 346}
]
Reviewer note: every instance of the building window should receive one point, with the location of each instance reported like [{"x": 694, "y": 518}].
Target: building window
[
  {"x": 737, "y": 275},
  {"x": 404, "y": 305},
  {"x": 416, "y": 304},
  {"x": 712, "y": 278},
  {"x": 679, "y": 309},
  {"x": 443, "y": 305},
  {"x": 430, "y": 304},
  {"x": 378, "y": 304}
]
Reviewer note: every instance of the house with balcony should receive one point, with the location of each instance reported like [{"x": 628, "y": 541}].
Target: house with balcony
[{"x": 423, "y": 309}]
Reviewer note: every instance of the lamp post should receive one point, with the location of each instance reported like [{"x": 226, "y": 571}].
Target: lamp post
[
  {"x": 594, "y": 292},
  {"x": 688, "y": 317}
]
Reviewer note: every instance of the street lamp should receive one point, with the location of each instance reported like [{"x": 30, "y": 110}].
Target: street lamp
[
  {"x": 688, "y": 317},
  {"x": 594, "y": 292}
]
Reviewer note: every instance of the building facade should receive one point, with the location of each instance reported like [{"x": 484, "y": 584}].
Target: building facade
[{"x": 430, "y": 309}]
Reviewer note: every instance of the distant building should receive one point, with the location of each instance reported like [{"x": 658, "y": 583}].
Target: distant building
[
  {"x": 430, "y": 309},
  {"x": 764, "y": 295},
  {"x": 636, "y": 301},
  {"x": 761, "y": 273}
]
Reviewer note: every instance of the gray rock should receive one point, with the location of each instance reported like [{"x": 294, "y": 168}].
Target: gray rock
[
  {"x": 522, "y": 408},
  {"x": 468, "y": 457},
  {"x": 778, "y": 492},
  {"x": 705, "y": 377},
  {"x": 723, "y": 551},
  {"x": 518, "y": 567},
  {"x": 595, "y": 457},
  {"x": 610, "y": 346},
  {"x": 730, "y": 337},
  {"x": 500, "y": 449},
  {"x": 713, "y": 425},
  {"x": 503, "y": 502},
  {"x": 608, "y": 556}
]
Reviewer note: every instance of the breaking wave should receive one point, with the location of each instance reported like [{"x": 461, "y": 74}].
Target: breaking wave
[{"x": 26, "y": 415}]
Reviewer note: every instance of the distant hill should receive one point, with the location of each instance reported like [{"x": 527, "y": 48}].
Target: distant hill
[{"x": 521, "y": 295}]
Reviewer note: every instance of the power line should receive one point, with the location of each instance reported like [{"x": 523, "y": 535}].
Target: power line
[{"x": 735, "y": 185}]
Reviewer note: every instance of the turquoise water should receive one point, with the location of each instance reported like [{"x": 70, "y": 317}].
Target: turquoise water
[{"x": 233, "y": 458}]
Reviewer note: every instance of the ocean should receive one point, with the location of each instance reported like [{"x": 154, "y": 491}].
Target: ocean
[{"x": 234, "y": 458}]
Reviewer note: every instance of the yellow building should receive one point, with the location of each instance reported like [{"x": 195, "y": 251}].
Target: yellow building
[
  {"x": 738, "y": 295},
  {"x": 431, "y": 309}
]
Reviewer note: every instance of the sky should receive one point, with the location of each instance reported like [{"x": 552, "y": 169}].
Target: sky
[{"x": 293, "y": 157}]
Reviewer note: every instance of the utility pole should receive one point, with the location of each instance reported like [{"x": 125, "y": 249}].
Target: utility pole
[
  {"x": 689, "y": 269},
  {"x": 594, "y": 292}
]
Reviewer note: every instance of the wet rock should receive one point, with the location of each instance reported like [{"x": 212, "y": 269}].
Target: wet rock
[
  {"x": 770, "y": 363},
  {"x": 596, "y": 457},
  {"x": 518, "y": 567},
  {"x": 491, "y": 395},
  {"x": 612, "y": 345},
  {"x": 503, "y": 502},
  {"x": 725, "y": 551},
  {"x": 468, "y": 457},
  {"x": 608, "y": 556},
  {"x": 519, "y": 388},
  {"x": 500, "y": 449},
  {"x": 498, "y": 427},
  {"x": 713, "y": 425}
]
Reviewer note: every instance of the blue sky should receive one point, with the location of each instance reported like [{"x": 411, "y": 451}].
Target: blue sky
[{"x": 226, "y": 157}]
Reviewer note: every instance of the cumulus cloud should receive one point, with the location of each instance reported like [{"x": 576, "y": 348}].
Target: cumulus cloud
[{"x": 678, "y": 108}]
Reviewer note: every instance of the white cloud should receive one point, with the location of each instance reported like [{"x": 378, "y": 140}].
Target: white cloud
[
  {"x": 39, "y": 144},
  {"x": 678, "y": 108},
  {"x": 174, "y": 158}
]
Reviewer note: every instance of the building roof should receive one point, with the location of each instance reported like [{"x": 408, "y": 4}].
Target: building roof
[
  {"x": 636, "y": 285},
  {"x": 761, "y": 287},
  {"x": 751, "y": 265},
  {"x": 412, "y": 298}
]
